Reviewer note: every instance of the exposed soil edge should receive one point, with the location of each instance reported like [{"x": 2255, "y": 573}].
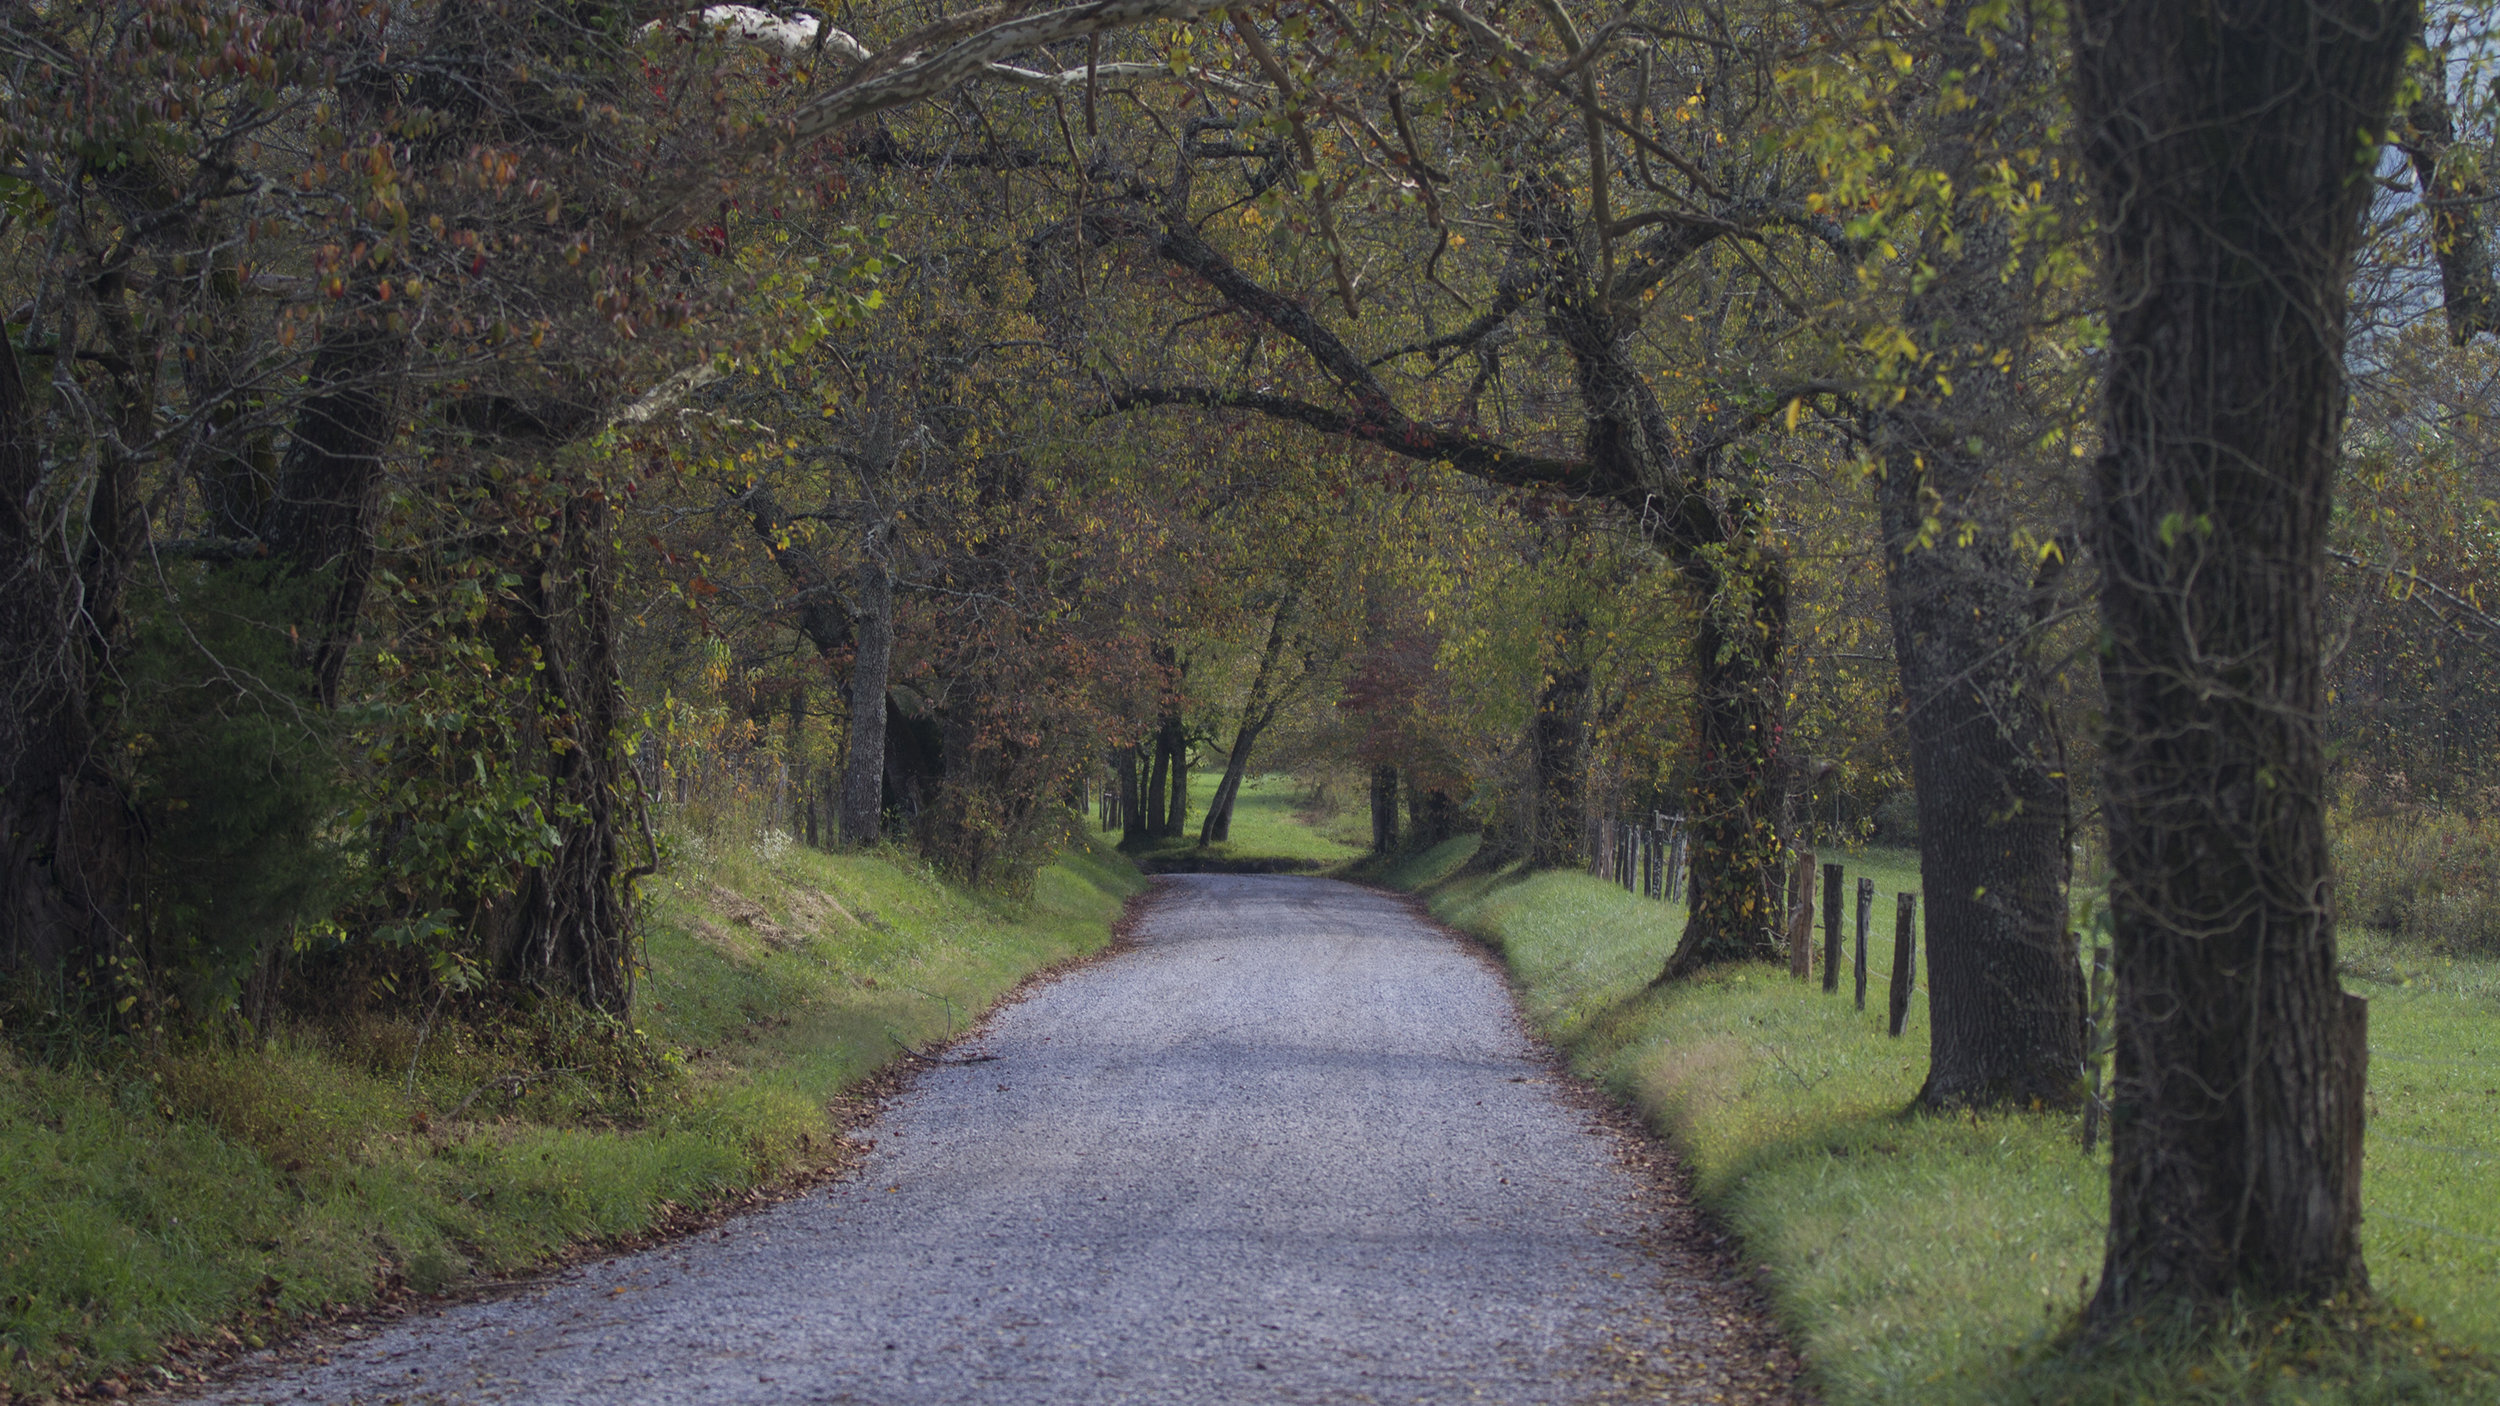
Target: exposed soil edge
[{"x": 1684, "y": 1226}]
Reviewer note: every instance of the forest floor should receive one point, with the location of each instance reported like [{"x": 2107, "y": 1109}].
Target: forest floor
[
  {"x": 164, "y": 1209},
  {"x": 1938, "y": 1259},
  {"x": 1289, "y": 1144}
]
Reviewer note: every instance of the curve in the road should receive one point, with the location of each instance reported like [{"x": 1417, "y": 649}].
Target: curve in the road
[{"x": 1293, "y": 1146}]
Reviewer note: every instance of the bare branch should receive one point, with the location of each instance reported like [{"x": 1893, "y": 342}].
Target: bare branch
[
  {"x": 922, "y": 77},
  {"x": 1463, "y": 450}
]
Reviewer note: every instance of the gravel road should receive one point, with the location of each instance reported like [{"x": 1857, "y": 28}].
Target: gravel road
[{"x": 1291, "y": 1146}]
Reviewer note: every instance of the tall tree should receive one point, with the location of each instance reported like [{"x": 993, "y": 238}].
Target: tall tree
[
  {"x": 1986, "y": 751},
  {"x": 1585, "y": 270},
  {"x": 2230, "y": 151}
]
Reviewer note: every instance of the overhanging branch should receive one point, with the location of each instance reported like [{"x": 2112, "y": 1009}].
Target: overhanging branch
[{"x": 1463, "y": 450}]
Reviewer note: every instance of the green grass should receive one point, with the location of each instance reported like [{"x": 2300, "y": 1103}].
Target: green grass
[
  {"x": 1271, "y": 820},
  {"x": 1935, "y": 1259},
  {"x": 225, "y": 1187}
]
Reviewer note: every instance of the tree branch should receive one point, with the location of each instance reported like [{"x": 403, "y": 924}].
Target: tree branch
[
  {"x": 920, "y": 77},
  {"x": 1463, "y": 450}
]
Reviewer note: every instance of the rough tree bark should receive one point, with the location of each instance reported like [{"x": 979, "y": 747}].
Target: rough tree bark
[
  {"x": 1986, "y": 756},
  {"x": 577, "y": 929},
  {"x": 2222, "y": 144},
  {"x": 1740, "y": 710},
  {"x": 1132, "y": 796},
  {"x": 69, "y": 835}
]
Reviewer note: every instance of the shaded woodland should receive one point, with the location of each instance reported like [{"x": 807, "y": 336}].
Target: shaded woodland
[{"x": 451, "y": 446}]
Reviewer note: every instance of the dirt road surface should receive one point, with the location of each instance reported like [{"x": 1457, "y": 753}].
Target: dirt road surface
[{"x": 1292, "y": 1146}]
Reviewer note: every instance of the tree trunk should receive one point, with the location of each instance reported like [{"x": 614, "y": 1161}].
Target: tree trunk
[
  {"x": 2455, "y": 196},
  {"x": 1986, "y": 756},
  {"x": 1384, "y": 808},
  {"x": 71, "y": 840},
  {"x": 1218, "y": 826},
  {"x": 1255, "y": 716},
  {"x": 319, "y": 521},
  {"x": 1132, "y": 797},
  {"x": 863, "y": 768},
  {"x": 1176, "y": 815},
  {"x": 577, "y": 928},
  {"x": 814, "y": 600},
  {"x": 1711, "y": 529},
  {"x": 1159, "y": 782},
  {"x": 1740, "y": 707},
  {"x": 1557, "y": 745},
  {"x": 2231, "y": 184}
]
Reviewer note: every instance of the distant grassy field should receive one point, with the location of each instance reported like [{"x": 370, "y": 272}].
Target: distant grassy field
[
  {"x": 222, "y": 1187},
  {"x": 1271, "y": 820},
  {"x": 1932, "y": 1259}
]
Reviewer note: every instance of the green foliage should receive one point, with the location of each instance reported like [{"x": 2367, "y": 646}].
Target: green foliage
[
  {"x": 236, "y": 775},
  {"x": 451, "y": 804}
]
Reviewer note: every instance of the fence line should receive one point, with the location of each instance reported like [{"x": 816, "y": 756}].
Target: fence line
[
  {"x": 1646, "y": 860},
  {"x": 2369, "y": 1215}
]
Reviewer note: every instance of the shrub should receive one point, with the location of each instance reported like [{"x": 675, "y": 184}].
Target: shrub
[{"x": 2425, "y": 874}]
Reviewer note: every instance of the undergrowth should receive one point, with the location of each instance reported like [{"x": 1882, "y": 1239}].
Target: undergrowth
[
  {"x": 1941, "y": 1259},
  {"x": 220, "y": 1188}
]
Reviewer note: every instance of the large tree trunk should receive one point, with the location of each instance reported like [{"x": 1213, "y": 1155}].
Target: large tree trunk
[
  {"x": 1986, "y": 755},
  {"x": 577, "y": 933},
  {"x": 70, "y": 838},
  {"x": 863, "y": 762},
  {"x": 2223, "y": 145},
  {"x": 1711, "y": 529},
  {"x": 1740, "y": 707}
]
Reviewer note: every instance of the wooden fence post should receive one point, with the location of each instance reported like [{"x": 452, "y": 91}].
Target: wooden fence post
[
  {"x": 1831, "y": 927},
  {"x": 1866, "y": 916},
  {"x": 1904, "y": 956},
  {"x": 1801, "y": 917}
]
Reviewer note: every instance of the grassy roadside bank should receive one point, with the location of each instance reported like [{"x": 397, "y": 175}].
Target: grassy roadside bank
[
  {"x": 215, "y": 1191},
  {"x": 1932, "y": 1260}
]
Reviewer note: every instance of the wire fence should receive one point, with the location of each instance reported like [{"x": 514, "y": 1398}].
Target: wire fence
[{"x": 1647, "y": 858}]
